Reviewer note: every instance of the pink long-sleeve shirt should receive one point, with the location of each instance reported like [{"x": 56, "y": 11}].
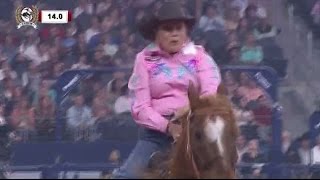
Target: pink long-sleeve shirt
[{"x": 159, "y": 82}]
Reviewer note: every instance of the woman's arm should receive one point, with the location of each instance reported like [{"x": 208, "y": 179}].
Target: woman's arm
[
  {"x": 141, "y": 109},
  {"x": 208, "y": 74}
]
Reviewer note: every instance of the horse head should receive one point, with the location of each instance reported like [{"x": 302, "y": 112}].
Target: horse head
[{"x": 206, "y": 147}]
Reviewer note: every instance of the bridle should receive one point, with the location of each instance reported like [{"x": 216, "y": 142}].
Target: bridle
[{"x": 189, "y": 153}]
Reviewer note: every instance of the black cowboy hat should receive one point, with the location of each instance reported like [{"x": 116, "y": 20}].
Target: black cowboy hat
[{"x": 171, "y": 10}]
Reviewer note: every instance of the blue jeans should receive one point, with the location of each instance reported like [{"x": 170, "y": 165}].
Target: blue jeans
[{"x": 149, "y": 142}]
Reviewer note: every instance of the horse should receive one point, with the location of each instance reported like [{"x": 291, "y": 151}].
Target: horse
[{"x": 206, "y": 148}]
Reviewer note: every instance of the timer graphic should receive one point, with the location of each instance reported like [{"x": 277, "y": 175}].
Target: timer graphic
[{"x": 55, "y": 16}]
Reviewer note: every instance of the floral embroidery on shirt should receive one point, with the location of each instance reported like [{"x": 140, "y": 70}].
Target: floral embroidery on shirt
[
  {"x": 192, "y": 65},
  {"x": 181, "y": 72},
  {"x": 159, "y": 68}
]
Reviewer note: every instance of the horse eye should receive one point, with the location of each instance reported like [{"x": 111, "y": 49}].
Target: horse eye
[{"x": 198, "y": 135}]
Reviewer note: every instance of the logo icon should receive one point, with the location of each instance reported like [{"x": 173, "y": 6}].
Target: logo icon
[{"x": 27, "y": 16}]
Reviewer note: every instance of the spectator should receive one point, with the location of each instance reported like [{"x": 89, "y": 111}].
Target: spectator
[
  {"x": 230, "y": 83},
  {"x": 41, "y": 55},
  {"x": 141, "y": 13},
  {"x": 242, "y": 30},
  {"x": 19, "y": 66},
  {"x": 241, "y": 5},
  {"x": 82, "y": 64},
  {"x": 7, "y": 72},
  {"x": 107, "y": 25},
  {"x": 23, "y": 116},
  {"x": 115, "y": 85},
  {"x": 141, "y": 4},
  {"x": 81, "y": 46},
  {"x": 100, "y": 60},
  {"x": 31, "y": 79},
  {"x": 286, "y": 141},
  {"x": 232, "y": 37},
  {"x": 251, "y": 15},
  {"x": 56, "y": 33},
  {"x": 263, "y": 116},
  {"x": 264, "y": 29},
  {"x": 115, "y": 17},
  {"x": 249, "y": 90},
  {"x": 29, "y": 50},
  {"x": 83, "y": 7},
  {"x": 6, "y": 136},
  {"x": 241, "y": 146},
  {"x": 251, "y": 53},
  {"x": 13, "y": 95},
  {"x": 110, "y": 49},
  {"x": 304, "y": 151},
  {"x": 114, "y": 158},
  {"x": 83, "y": 14},
  {"x": 155, "y": 8},
  {"x": 244, "y": 117},
  {"x": 45, "y": 118},
  {"x": 79, "y": 115},
  {"x": 316, "y": 158},
  {"x": 94, "y": 29},
  {"x": 72, "y": 29},
  {"x": 9, "y": 48},
  {"x": 315, "y": 13},
  {"x": 233, "y": 53},
  {"x": 58, "y": 69},
  {"x": 103, "y": 7},
  {"x": 316, "y": 152},
  {"x": 123, "y": 102},
  {"x": 211, "y": 20},
  {"x": 101, "y": 106},
  {"x": 44, "y": 90},
  {"x": 253, "y": 155},
  {"x": 232, "y": 19},
  {"x": 314, "y": 121},
  {"x": 292, "y": 155}
]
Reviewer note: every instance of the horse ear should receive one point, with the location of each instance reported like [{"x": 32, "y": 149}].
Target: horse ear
[
  {"x": 222, "y": 90},
  {"x": 193, "y": 95}
]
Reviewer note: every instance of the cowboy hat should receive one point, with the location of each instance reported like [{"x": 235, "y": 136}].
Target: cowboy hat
[{"x": 171, "y": 10}]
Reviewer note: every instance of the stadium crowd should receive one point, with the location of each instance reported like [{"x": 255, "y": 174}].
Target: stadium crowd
[
  {"x": 101, "y": 35},
  {"x": 309, "y": 12}
]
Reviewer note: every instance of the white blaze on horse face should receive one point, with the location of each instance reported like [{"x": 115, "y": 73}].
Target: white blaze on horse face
[{"x": 214, "y": 131}]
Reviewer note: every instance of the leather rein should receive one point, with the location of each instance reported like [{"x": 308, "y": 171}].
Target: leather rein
[{"x": 189, "y": 153}]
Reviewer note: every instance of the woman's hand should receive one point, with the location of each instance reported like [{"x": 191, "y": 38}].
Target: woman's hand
[{"x": 174, "y": 130}]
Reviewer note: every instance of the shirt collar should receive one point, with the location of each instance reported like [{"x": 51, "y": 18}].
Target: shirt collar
[{"x": 153, "y": 50}]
